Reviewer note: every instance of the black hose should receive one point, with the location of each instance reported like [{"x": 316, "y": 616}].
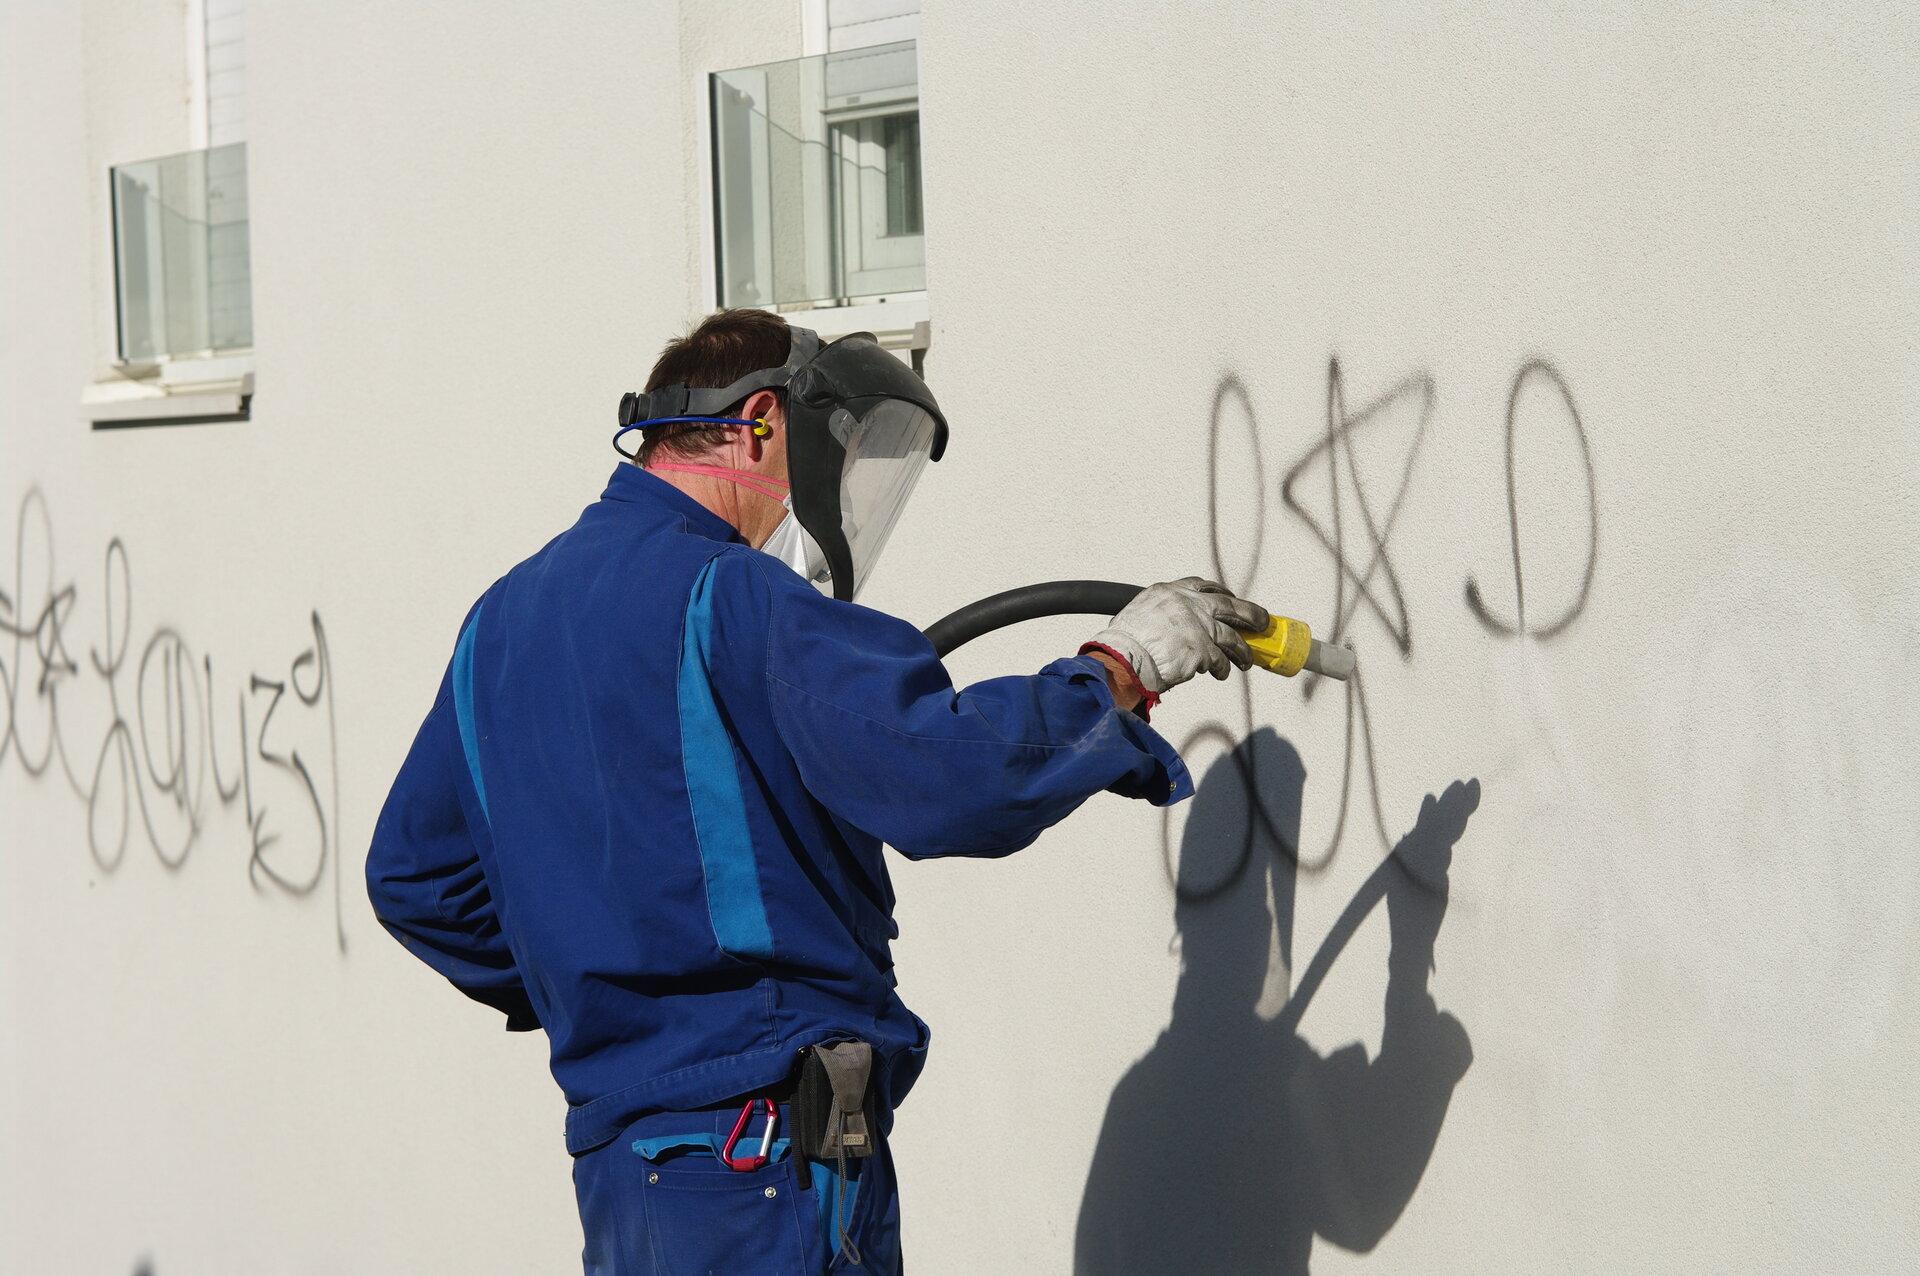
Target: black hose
[{"x": 1029, "y": 602}]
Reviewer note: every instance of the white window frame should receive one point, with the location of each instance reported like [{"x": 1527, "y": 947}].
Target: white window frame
[
  {"x": 199, "y": 127},
  {"x": 815, "y": 30}
]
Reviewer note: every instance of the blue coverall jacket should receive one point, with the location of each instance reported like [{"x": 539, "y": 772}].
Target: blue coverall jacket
[{"x": 646, "y": 809}]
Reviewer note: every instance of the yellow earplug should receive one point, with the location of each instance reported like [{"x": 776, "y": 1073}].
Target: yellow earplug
[{"x": 760, "y": 427}]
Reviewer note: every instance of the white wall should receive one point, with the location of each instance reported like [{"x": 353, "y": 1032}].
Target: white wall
[{"x": 1681, "y": 930}]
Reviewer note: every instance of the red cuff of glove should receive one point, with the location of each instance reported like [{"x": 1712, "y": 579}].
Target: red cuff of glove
[{"x": 1148, "y": 699}]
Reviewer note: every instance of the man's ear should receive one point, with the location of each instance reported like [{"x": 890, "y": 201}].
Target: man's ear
[{"x": 761, "y": 405}]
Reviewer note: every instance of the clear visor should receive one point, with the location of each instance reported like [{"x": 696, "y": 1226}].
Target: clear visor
[{"x": 887, "y": 447}]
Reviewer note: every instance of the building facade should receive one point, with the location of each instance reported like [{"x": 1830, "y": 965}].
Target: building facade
[{"x": 1561, "y": 361}]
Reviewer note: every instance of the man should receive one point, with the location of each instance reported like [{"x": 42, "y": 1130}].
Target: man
[{"x": 645, "y": 812}]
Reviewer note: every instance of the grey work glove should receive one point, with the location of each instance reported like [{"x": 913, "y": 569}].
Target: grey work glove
[{"x": 1173, "y": 630}]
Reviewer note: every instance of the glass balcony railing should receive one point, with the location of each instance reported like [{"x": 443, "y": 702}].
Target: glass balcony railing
[
  {"x": 181, "y": 268},
  {"x": 816, "y": 166}
]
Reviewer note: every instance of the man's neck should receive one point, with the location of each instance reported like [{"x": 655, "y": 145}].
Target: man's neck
[{"x": 739, "y": 507}]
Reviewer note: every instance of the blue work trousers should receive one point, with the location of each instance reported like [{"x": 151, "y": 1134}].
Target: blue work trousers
[{"x": 657, "y": 1201}]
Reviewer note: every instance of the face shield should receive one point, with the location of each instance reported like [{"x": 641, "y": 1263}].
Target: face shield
[
  {"x": 886, "y": 448},
  {"x": 860, "y": 428}
]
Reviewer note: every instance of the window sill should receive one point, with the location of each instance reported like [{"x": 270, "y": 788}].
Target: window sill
[
  {"x": 174, "y": 392},
  {"x": 899, "y": 322}
]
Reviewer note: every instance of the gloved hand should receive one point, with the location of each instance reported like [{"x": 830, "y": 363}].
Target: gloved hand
[{"x": 1171, "y": 631}]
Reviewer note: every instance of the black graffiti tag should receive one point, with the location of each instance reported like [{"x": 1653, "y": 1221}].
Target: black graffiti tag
[
  {"x": 1539, "y": 369},
  {"x": 1366, "y": 578},
  {"x": 158, "y": 761}
]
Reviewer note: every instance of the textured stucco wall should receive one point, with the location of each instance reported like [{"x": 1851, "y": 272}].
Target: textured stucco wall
[
  {"x": 1680, "y": 934},
  {"x": 1682, "y": 926}
]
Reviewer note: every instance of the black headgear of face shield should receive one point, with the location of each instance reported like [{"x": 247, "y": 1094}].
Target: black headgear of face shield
[{"x": 860, "y": 427}]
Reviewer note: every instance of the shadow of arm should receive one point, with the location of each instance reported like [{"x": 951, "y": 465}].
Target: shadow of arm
[{"x": 1366, "y": 1130}]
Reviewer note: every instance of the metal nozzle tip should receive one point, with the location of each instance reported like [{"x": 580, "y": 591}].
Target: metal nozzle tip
[{"x": 1332, "y": 660}]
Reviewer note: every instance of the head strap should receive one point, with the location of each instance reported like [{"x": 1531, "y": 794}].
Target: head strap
[{"x": 677, "y": 401}]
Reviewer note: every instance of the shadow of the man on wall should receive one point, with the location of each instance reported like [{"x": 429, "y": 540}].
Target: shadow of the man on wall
[{"x": 1233, "y": 1143}]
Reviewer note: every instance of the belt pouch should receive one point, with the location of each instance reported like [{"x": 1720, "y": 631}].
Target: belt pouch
[{"x": 833, "y": 1104}]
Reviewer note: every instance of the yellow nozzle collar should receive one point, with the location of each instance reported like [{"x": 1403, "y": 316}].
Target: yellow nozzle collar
[{"x": 1282, "y": 646}]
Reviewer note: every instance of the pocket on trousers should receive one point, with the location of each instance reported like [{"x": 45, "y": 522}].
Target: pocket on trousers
[{"x": 704, "y": 1217}]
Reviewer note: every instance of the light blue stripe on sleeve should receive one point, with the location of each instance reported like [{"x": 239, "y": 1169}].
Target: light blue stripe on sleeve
[
  {"x": 463, "y": 709},
  {"x": 734, "y": 903}
]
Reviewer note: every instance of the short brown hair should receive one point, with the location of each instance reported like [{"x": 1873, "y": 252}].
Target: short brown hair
[{"x": 726, "y": 346}]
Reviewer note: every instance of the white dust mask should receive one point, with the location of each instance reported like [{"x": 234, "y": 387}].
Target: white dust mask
[{"x": 792, "y": 546}]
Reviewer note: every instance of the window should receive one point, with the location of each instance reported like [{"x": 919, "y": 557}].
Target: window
[
  {"x": 900, "y": 140},
  {"x": 182, "y": 272},
  {"x": 178, "y": 238},
  {"x": 816, "y": 165},
  {"x": 181, "y": 267}
]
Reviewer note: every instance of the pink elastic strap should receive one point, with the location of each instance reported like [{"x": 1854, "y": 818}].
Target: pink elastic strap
[{"x": 771, "y": 488}]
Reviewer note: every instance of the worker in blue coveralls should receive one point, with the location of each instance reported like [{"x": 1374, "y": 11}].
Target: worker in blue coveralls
[{"x": 645, "y": 811}]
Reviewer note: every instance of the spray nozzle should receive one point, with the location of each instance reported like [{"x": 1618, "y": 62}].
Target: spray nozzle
[{"x": 1286, "y": 646}]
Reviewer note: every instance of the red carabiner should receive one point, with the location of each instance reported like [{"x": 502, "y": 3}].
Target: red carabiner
[{"x": 754, "y": 1162}]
